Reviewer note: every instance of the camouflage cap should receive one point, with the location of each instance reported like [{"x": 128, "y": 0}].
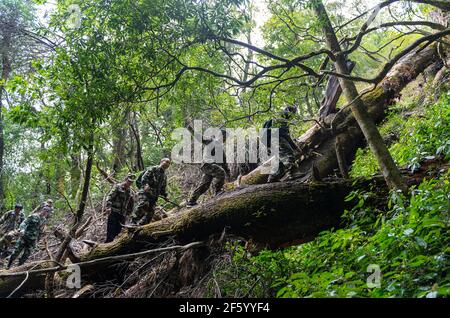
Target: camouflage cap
[{"x": 18, "y": 206}]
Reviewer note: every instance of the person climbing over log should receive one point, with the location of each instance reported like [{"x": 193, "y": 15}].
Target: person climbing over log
[
  {"x": 11, "y": 219},
  {"x": 30, "y": 232},
  {"x": 287, "y": 147},
  {"x": 9, "y": 224},
  {"x": 119, "y": 204},
  {"x": 152, "y": 183},
  {"x": 213, "y": 172}
]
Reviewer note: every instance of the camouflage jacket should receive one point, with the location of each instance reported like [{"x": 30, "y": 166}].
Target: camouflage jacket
[
  {"x": 32, "y": 227},
  {"x": 282, "y": 123},
  {"x": 156, "y": 178},
  {"x": 10, "y": 221},
  {"x": 120, "y": 200}
]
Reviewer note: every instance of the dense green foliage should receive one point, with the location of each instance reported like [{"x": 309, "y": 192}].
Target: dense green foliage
[
  {"x": 407, "y": 240},
  {"x": 115, "y": 86},
  {"x": 424, "y": 136}
]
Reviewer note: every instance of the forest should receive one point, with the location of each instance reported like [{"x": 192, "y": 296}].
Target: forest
[{"x": 322, "y": 129}]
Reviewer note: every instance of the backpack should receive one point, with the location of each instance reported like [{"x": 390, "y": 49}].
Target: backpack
[{"x": 139, "y": 179}]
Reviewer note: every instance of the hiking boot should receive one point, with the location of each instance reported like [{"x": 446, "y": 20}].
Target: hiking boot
[{"x": 191, "y": 204}]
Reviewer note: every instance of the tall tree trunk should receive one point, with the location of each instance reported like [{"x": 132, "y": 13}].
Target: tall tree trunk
[
  {"x": 6, "y": 71},
  {"x": 134, "y": 126},
  {"x": 376, "y": 143},
  {"x": 83, "y": 199},
  {"x": 75, "y": 174}
]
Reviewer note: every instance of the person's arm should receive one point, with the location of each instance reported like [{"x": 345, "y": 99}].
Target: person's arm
[
  {"x": 164, "y": 187},
  {"x": 23, "y": 226},
  {"x": 21, "y": 218},
  {"x": 109, "y": 200}
]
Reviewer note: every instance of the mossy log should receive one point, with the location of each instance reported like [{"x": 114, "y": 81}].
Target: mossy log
[{"x": 269, "y": 214}]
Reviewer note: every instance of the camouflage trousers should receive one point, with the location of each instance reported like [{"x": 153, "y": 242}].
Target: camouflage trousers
[
  {"x": 145, "y": 208},
  {"x": 25, "y": 245},
  {"x": 212, "y": 173},
  {"x": 287, "y": 160}
]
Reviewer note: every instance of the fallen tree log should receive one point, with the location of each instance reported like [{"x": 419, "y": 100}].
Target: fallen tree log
[{"x": 268, "y": 214}]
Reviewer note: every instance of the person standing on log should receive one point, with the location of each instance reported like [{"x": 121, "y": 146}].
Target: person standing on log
[
  {"x": 119, "y": 204},
  {"x": 152, "y": 183},
  {"x": 287, "y": 147},
  {"x": 30, "y": 233},
  {"x": 213, "y": 172}
]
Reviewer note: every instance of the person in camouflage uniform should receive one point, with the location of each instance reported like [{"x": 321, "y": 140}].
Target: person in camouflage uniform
[
  {"x": 119, "y": 204},
  {"x": 11, "y": 219},
  {"x": 9, "y": 223},
  {"x": 153, "y": 185},
  {"x": 287, "y": 147},
  {"x": 30, "y": 232},
  {"x": 213, "y": 173}
]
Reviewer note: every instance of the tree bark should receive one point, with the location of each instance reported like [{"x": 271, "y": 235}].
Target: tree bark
[
  {"x": 119, "y": 140},
  {"x": 137, "y": 137},
  {"x": 340, "y": 156},
  {"x": 75, "y": 174},
  {"x": 318, "y": 142},
  {"x": 333, "y": 92}
]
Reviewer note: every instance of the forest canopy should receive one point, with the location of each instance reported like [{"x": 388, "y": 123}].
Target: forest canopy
[{"x": 92, "y": 91}]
